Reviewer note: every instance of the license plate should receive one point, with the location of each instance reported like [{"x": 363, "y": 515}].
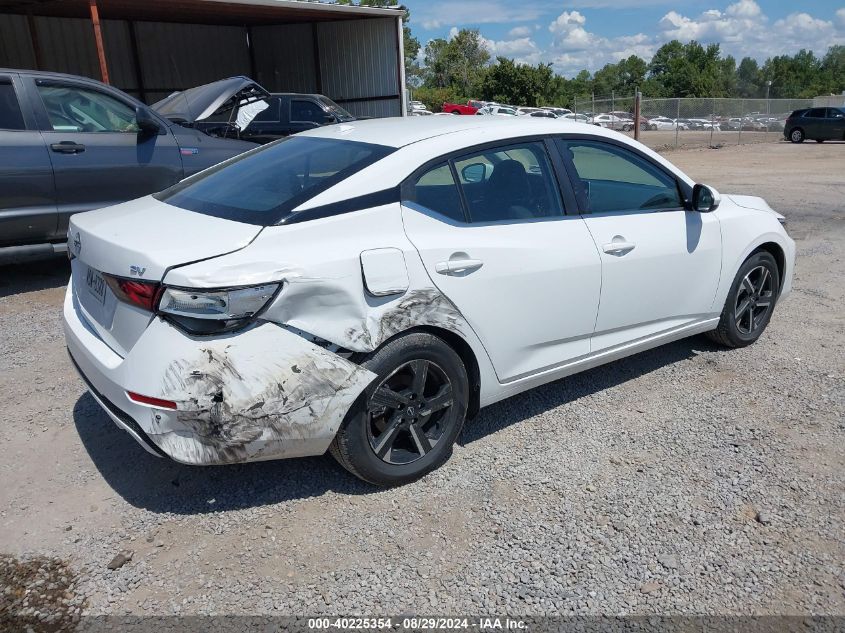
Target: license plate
[{"x": 96, "y": 284}]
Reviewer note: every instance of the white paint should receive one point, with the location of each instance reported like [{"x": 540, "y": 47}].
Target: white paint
[{"x": 384, "y": 271}]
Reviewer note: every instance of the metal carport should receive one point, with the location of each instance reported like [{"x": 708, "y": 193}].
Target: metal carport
[{"x": 150, "y": 48}]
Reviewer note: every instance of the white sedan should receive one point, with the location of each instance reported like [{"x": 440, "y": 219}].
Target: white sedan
[
  {"x": 665, "y": 123},
  {"x": 365, "y": 288}
]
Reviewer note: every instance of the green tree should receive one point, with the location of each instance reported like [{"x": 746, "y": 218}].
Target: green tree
[
  {"x": 748, "y": 78},
  {"x": 509, "y": 82},
  {"x": 458, "y": 62}
]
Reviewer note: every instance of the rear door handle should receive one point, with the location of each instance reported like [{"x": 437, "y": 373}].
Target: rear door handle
[
  {"x": 68, "y": 147},
  {"x": 458, "y": 266},
  {"x": 619, "y": 248}
]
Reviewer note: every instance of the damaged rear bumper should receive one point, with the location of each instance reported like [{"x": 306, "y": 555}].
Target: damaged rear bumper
[{"x": 266, "y": 393}]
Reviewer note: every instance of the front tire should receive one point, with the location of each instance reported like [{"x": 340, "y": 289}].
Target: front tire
[
  {"x": 750, "y": 303},
  {"x": 406, "y": 422},
  {"x": 797, "y": 135}
]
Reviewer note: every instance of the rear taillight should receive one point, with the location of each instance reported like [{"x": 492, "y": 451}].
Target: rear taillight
[
  {"x": 142, "y": 294},
  {"x": 150, "y": 401}
]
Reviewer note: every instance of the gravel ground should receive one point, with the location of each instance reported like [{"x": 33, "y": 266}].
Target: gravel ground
[{"x": 688, "y": 479}]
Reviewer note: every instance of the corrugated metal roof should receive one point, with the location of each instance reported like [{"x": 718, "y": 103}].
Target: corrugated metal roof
[{"x": 243, "y": 12}]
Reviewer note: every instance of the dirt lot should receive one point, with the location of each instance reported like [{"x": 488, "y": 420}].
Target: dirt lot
[
  {"x": 667, "y": 139},
  {"x": 688, "y": 479}
]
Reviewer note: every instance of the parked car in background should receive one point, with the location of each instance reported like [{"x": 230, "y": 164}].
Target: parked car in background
[
  {"x": 580, "y": 118},
  {"x": 665, "y": 123},
  {"x": 239, "y": 107},
  {"x": 543, "y": 114},
  {"x": 241, "y": 340},
  {"x": 816, "y": 124},
  {"x": 470, "y": 107},
  {"x": 559, "y": 112},
  {"x": 71, "y": 144},
  {"x": 613, "y": 122},
  {"x": 706, "y": 124},
  {"x": 496, "y": 110},
  {"x": 420, "y": 113},
  {"x": 416, "y": 105}
]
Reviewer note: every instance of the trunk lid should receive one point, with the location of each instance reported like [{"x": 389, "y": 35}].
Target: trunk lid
[
  {"x": 199, "y": 103},
  {"x": 139, "y": 240}
]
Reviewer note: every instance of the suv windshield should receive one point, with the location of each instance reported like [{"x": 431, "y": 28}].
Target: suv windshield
[
  {"x": 264, "y": 186},
  {"x": 336, "y": 110}
]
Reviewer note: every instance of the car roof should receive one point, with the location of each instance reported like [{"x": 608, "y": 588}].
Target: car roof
[{"x": 401, "y": 131}]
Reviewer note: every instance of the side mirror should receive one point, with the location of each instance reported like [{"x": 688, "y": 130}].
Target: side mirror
[
  {"x": 474, "y": 172},
  {"x": 705, "y": 199},
  {"x": 329, "y": 118},
  {"x": 148, "y": 125}
]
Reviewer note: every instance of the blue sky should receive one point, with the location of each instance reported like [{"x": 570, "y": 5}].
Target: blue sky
[{"x": 590, "y": 33}]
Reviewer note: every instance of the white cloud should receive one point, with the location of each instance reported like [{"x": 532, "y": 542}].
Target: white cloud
[
  {"x": 434, "y": 15},
  {"x": 519, "y": 31},
  {"x": 840, "y": 17}
]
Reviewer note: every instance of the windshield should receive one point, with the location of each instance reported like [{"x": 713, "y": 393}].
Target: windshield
[
  {"x": 336, "y": 110},
  {"x": 264, "y": 186}
]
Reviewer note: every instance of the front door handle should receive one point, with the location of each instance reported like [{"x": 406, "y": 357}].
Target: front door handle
[
  {"x": 68, "y": 147},
  {"x": 458, "y": 267},
  {"x": 619, "y": 248}
]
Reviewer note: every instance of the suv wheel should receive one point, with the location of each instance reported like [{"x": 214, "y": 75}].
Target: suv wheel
[
  {"x": 797, "y": 135},
  {"x": 405, "y": 423}
]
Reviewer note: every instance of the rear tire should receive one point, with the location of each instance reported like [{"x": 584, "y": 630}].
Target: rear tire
[
  {"x": 797, "y": 135},
  {"x": 750, "y": 303},
  {"x": 404, "y": 426}
]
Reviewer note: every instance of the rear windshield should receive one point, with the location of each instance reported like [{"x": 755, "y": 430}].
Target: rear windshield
[{"x": 265, "y": 186}]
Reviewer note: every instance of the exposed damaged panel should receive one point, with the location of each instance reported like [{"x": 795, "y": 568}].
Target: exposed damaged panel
[
  {"x": 247, "y": 402},
  {"x": 332, "y": 291}
]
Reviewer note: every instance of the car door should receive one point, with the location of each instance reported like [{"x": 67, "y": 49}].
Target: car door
[
  {"x": 27, "y": 192},
  {"x": 490, "y": 228},
  {"x": 661, "y": 264},
  {"x": 98, "y": 154},
  {"x": 835, "y": 124},
  {"x": 813, "y": 123},
  {"x": 307, "y": 114}
]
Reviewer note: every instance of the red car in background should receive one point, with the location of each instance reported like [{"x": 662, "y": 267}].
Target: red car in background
[{"x": 470, "y": 107}]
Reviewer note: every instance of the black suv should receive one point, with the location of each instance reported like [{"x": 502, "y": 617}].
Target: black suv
[
  {"x": 816, "y": 124},
  {"x": 71, "y": 144}
]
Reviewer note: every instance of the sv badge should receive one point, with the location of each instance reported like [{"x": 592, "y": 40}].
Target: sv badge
[{"x": 137, "y": 270}]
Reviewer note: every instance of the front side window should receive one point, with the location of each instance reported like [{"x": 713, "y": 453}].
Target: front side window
[
  {"x": 75, "y": 109},
  {"x": 308, "y": 111},
  {"x": 10, "y": 111},
  {"x": 613, "y": 179},
  {"x": 436, "y": 190},
  {"x": 509, "y": 183},
  {"x": 263, "y": 187}
]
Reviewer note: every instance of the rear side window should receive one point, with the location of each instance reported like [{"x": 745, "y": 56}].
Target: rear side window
[
  {"x": 436, "y": 190},
  {"x": 615, "y": 180},
  {"x": 302, "y": 110},
  {"x": 10, "y": 111},
  {"x": 264, "y": 186},
  {"x": 815, "y": 113},
  {"x": 514, "y": 182},
  {"x": 835, "y": 113}
]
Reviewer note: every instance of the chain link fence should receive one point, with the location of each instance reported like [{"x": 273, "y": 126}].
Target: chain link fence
[{"x": 693, "y": 122}]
